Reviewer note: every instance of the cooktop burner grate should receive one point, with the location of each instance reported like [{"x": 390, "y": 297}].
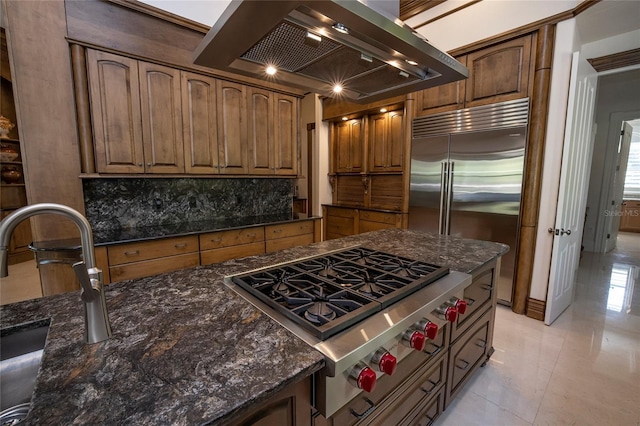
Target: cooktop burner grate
[{"x": 328, "y": 293}]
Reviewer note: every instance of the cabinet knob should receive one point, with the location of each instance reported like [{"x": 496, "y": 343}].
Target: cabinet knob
[
  {"x": 148, "y": 164},
  {"x": 139, "y": 164}
]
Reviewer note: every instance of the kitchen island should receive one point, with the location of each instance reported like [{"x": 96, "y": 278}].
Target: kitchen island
[{"x": 186, "y": 349}]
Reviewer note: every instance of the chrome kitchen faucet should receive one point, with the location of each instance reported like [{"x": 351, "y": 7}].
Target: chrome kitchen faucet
[{"x": 97, "y": 327}]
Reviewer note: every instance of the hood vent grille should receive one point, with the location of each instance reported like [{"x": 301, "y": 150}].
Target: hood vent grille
[{"x": 286, "y": 43}]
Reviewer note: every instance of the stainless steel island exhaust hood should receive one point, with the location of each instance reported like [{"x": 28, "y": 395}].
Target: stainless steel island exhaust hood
[{"x": 331, "y": 47}]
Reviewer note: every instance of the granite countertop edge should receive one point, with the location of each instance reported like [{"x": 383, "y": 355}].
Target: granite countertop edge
[{"x": 187, "y": 348}]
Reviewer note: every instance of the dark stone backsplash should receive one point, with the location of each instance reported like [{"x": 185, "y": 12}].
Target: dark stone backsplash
[{"x": 131, "y": 203}]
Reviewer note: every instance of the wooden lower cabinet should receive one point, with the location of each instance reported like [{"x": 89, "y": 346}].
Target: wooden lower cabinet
[
  {"x": 284, "y": 236},
  {"x": 216, "y": 247},
  {"x": 344, "y": 221},
  {"x": 142, "y": 259},
  {"x": 630, "y": 219},
  {"x": 137, "y": 260},
  {"x": 469, "y": 353},
  {"x": 289, "y": 407},
  {"x": 479, "y": 296}
]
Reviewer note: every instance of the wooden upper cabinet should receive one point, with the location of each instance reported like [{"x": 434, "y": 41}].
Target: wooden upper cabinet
[
  {"x": 285, "y": 140},
  {"x": 161, "y": 110},
  {"x": 115, "y": 110},
  {"x": 386, "y": 142},
  {"x": 499, "y": 73},
  {"x": 260, "y": 108},
  {"x": 232, "y": 128},
  {"x": 199, "y": 123},
  {"x": 348, "y": 145},
  {"x": 446, "y": 97}
]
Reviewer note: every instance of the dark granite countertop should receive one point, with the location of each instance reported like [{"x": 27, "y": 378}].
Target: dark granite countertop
[
  {"x": 104, "y": 237},
  {"x": 185, "y": 348}
]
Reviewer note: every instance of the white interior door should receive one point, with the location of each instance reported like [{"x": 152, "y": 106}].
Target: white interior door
[
  {"x": 574, "y": 182},
  {"x": 618, "y": 184}
]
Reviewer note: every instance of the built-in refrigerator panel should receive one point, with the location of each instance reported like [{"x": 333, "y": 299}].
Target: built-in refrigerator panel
[
  {"x": 428, "y": 159},
  {"x": 466, "y": 177}
]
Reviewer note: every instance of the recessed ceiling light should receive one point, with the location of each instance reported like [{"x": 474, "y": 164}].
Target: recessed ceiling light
[
  {"x": 383, "y": 110},
  {"x": 410, "y": 62},
  {"x": 337, "y": 88},
  {"x": 345, "y": 118},
  {"x": 271, "y": 70},
  {"x": 341, "y": 28}
]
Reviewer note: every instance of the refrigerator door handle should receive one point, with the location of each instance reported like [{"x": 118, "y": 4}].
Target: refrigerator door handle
[
  {"x": 443, "y": 197},
  {"x": 449, "y": 199}
]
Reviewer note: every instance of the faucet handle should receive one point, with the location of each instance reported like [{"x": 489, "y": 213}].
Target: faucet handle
[{"x": 89, "y": 292}]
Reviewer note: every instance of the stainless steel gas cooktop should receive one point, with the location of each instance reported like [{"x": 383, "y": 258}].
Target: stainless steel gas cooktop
[{"x": 329, "y": 293}]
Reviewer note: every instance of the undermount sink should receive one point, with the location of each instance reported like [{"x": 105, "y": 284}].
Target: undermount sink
[{"x": 21, "y": 349}]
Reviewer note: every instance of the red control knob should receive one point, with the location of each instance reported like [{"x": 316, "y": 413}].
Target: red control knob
[
  {"x": 363, "y": 377},
  {"x": 414, "y": 339},
  {"x": 446, "y": 312},
  {"x": 461, "y": 306},
  {"x": 367, "y": 379},
  {"x": 431, "y": 330},
  {"x": 384, "y": 361},
  {"x": 388, "y": 364},
  {"x": 451, "y": 314}
]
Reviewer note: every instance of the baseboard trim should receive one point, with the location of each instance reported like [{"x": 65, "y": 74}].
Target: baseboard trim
[{"x": 536, "y": 308}]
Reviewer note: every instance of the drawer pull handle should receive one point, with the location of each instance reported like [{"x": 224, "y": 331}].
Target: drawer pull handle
[
  {"x": 433, "y": 386},
  {"x": 277, "y": 231},
  {"x": 481, "y": 343},
  {"x": 132, "y": 253},
  {"x": 466, "y": 365},
  {"x": 435, "y": 351},
  {"x": 366, "y": 412},
  {"x": 487, "y": 287},
  {"x": 251, "y": 235},
  {"x": 470, "y": 301},
  {"x": 180, "y": 246},
  {"x": 217, "y": 240}
]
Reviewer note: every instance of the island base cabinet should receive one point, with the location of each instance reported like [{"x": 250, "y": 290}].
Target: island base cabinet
[
  {"x": 289, "y": 407},
  {"x": 468, "y": 353}
]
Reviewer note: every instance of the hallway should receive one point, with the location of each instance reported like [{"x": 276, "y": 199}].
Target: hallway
[{"x": 584, "y": 369}]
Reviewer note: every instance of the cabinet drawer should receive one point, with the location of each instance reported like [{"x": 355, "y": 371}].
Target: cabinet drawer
[
  {"x": 430, "y": 411},
  {"x": 478, "y": 297},
  {"x": 367, "y": 226},
  {"x": 136, "y": 252},
  {"x": 288, "y": 242},
  {"x": 288, "y": 230},
  {"x": 215, "y": 240},
  {"x": 468, "y": 353},
  {"x": 340, "y": 212},
  {"x": 381, "y": 217},
  {"x": 153, "y": 267},
  {"x": 208, "y": 257},
  {"x": 342, "y": 226}
]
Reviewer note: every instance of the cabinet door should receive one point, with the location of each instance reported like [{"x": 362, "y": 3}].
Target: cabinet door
[
  {"x": 115, "y": 111},
  {"x": 386, "y": 142},
  {"x": 260, "y": 108},
  {"x": 446, "y": 97},
  {"x": 395, "y": 141},
  {"x": 285, "y": 141},
  {"x": 348, "y": 145},
  {"x": 232, "y": 128},
  {"x": 499, "y": 73},
  {"x": 161, "y": 108},
  {"x": 378, "y": 142},
  {"x": 200, "y": 130}
]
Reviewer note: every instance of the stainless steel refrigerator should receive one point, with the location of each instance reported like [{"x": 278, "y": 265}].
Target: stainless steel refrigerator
[{"x": 466, "y": 176}]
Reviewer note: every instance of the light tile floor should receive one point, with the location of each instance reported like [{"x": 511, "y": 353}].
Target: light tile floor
[{"x": 584, "y": 369}]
